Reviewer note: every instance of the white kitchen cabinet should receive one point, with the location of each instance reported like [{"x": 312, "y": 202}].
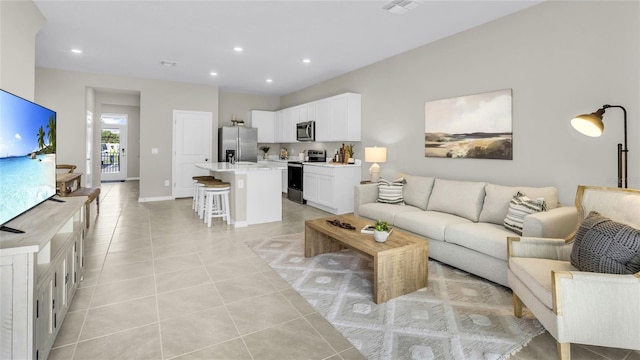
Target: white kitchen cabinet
[
  {"x": 292, "y": 117},
  {"x": 279, "y": 127},
  {"x": 322, "y": 113},
  {"x": 345, "y": 117},
  {"x": 338, "y": 118},
  {"x": 264, "y": 121},
  {"x": 330, "y": 187},
  {"x": 39, "y": 271}
]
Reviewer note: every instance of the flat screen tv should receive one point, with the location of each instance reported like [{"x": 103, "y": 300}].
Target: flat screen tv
[{"x": 27, "y": 156}]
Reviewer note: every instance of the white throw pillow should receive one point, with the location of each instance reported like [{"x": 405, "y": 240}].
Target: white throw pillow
[
  {"x": 390, "y": 192},
  {"x": 519, "y": 207},
  {"x": 462, "y": 198}
]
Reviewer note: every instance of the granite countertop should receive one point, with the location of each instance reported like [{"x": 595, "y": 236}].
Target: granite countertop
[
  {"x": 240, "y": 166},
  {"x": 330, "y": 164}
]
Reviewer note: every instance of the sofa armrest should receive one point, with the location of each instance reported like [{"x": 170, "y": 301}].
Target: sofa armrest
[
  {"x": 593, "y": 308},
  {"x": 541, "y": 248},
  {"x": 364, "y": 194},
  {"x": 560, "y": 222}
]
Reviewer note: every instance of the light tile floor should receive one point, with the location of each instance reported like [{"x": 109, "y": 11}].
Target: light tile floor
[{"x": 159, "y": 284}]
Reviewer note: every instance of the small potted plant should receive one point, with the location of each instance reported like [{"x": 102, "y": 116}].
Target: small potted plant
[
  {"x": 381, "y": 232},
  {"x": 265, "y": 150},
  {"x": 350, "y": 159}
]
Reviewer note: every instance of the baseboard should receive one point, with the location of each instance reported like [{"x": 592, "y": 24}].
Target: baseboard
[
  {"x": 237, "y": 224},
  {"x": 132, "y": 178},
  {"x": 158, "y": 198}
]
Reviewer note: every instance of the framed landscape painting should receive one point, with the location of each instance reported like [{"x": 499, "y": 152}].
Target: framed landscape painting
[{"x": 474, "y": 126}]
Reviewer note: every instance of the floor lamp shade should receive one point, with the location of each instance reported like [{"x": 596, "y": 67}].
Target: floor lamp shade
[
  {"x": 593, "y": 125},
  {"x": 375, "y": 155}
]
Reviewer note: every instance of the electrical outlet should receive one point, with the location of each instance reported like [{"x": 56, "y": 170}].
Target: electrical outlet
[
  {"x": 166, "y": 183},
  {"x": 154, "y": 151},
  {"x": 240, "y": 184}
]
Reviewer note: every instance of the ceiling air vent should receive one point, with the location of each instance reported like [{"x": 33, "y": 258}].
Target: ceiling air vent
[
  {"x": 168, "y": 63},
  {"x": 400, "y": 7}
]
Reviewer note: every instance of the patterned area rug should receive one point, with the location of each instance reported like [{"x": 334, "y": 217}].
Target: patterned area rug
[{"x": 458, "y": 316}]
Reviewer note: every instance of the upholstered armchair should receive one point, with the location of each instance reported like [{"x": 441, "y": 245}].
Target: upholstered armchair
[{"x": 576, "y": 306}]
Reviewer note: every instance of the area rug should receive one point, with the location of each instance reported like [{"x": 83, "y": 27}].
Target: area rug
[{"x": 458, "y": 316}]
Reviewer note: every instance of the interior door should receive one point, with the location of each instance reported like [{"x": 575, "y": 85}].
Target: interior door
[
  {"x": 88, "y": 173},
  {"x": 113, "y": 147},
  {"x": 192, "y": 144}
]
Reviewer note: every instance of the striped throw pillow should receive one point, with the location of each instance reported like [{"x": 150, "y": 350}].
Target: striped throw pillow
[
  {"x": 390, "y": 192},
  {"x": 519, "y": 207}
]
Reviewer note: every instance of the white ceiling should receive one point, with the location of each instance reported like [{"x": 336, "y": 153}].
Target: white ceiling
[{"x": 130, "y": 38}]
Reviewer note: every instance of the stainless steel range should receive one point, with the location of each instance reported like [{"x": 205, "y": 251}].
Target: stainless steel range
[{"x": 295, "y": 174}]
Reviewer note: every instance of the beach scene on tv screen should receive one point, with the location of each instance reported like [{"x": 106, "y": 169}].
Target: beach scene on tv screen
[{"x": 27, "y": 155}]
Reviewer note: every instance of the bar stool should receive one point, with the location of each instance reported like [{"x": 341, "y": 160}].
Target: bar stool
[
  {"x": 198, "y": 193},
  {"x": 216, "y": 197}
]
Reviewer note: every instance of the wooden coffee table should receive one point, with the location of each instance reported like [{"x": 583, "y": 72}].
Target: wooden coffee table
[{"x": 400, "y": 263}]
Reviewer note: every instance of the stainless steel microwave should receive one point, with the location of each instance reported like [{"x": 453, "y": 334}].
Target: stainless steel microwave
[{"x": 306, "y": 131}]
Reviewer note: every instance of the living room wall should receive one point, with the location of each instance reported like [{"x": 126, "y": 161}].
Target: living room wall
[
  {"x": 19, "y": 23},
  {"x": 65, "y": 92},
  {"x": 560, "y": 58}
]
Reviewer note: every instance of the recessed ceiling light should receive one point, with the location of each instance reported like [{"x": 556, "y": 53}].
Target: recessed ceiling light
[
  {"x": 213, "y": 73},
  {"x": 269, "y": 81},
  {"x": 168, "y": 63},
  {"x": 306, "y": 61},
  {"x": 238, "y": 49},
  {"x": 76, "y": 51}
]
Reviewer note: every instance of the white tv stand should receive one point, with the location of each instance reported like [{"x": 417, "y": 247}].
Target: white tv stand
[{"x": 39, "y": 273}]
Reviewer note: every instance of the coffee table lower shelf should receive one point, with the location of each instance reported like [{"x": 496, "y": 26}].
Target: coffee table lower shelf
[{"x": 400, "y": 264}]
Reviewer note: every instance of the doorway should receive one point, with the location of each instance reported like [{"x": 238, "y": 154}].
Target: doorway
[{"x": 113, "y": 146}]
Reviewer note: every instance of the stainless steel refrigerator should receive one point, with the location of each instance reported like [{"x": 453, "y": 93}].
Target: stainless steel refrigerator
[{"x": 237, "y": 141}]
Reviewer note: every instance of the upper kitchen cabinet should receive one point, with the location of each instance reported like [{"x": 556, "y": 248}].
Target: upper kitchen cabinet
[
  {"x": 265, "y": 122},
  {"x": 338, "y": 118},
  {"x": 345, "y": 117}
]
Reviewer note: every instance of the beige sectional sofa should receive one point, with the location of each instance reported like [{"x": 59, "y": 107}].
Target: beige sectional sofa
[{"x": 463, "y": 220}]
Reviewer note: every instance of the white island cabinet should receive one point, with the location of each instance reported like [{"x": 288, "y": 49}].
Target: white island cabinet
[
  {"x": 39, "y": 273},
  {"x": 255, "y": 196},
  {"x": 330, "y": 187}
]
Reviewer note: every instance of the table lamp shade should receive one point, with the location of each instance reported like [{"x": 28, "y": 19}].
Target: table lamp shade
[{"x": 375, "y": 155}]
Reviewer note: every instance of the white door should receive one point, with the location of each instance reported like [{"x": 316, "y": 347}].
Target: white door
[
  {"x": 113, "y": 147},
  {"x": 192, "y": 142},
  {"x": 88, "y": 174}
]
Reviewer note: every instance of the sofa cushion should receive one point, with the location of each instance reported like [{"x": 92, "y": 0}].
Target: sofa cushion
[
  {"x": 390, "y": 192},
  {"x": 462, "y": 198},
  {"x": 605, "y": 246},
  {"x": 417, "y": 190},
  {"x": 519, "y": 207},
  {"x": 497, "y": 198},
  {"x": 385, "y": 212},
  {"x": 489, "y": 239},
  {"x": 536, "y": 275},
  {"x": 430, "y": 224}
]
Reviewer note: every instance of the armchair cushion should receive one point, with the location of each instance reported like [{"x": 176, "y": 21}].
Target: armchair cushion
[
  {"x": 605, "y": 246},
  {"x": 535, "y": 274}
]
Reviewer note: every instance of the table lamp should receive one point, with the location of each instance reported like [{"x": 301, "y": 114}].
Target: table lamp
[
  {"x": 592, "y": 125},
  {"x": 375, "y": 155}
]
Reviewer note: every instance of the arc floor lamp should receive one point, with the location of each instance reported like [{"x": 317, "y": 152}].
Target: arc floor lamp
[{"x": 592, "y": 125}]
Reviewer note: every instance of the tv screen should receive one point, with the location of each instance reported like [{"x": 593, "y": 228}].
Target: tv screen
[{"x": 27, "y": 155}]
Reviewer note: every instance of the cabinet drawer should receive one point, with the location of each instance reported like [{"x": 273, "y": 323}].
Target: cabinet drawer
[{"x": 320, "y": 170}]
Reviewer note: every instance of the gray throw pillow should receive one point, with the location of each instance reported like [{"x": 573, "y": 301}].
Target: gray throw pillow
[{"x": 605, "y": 246}]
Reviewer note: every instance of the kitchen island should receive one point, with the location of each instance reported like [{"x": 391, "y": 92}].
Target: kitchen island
[{"x": 255, "y": 196}]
